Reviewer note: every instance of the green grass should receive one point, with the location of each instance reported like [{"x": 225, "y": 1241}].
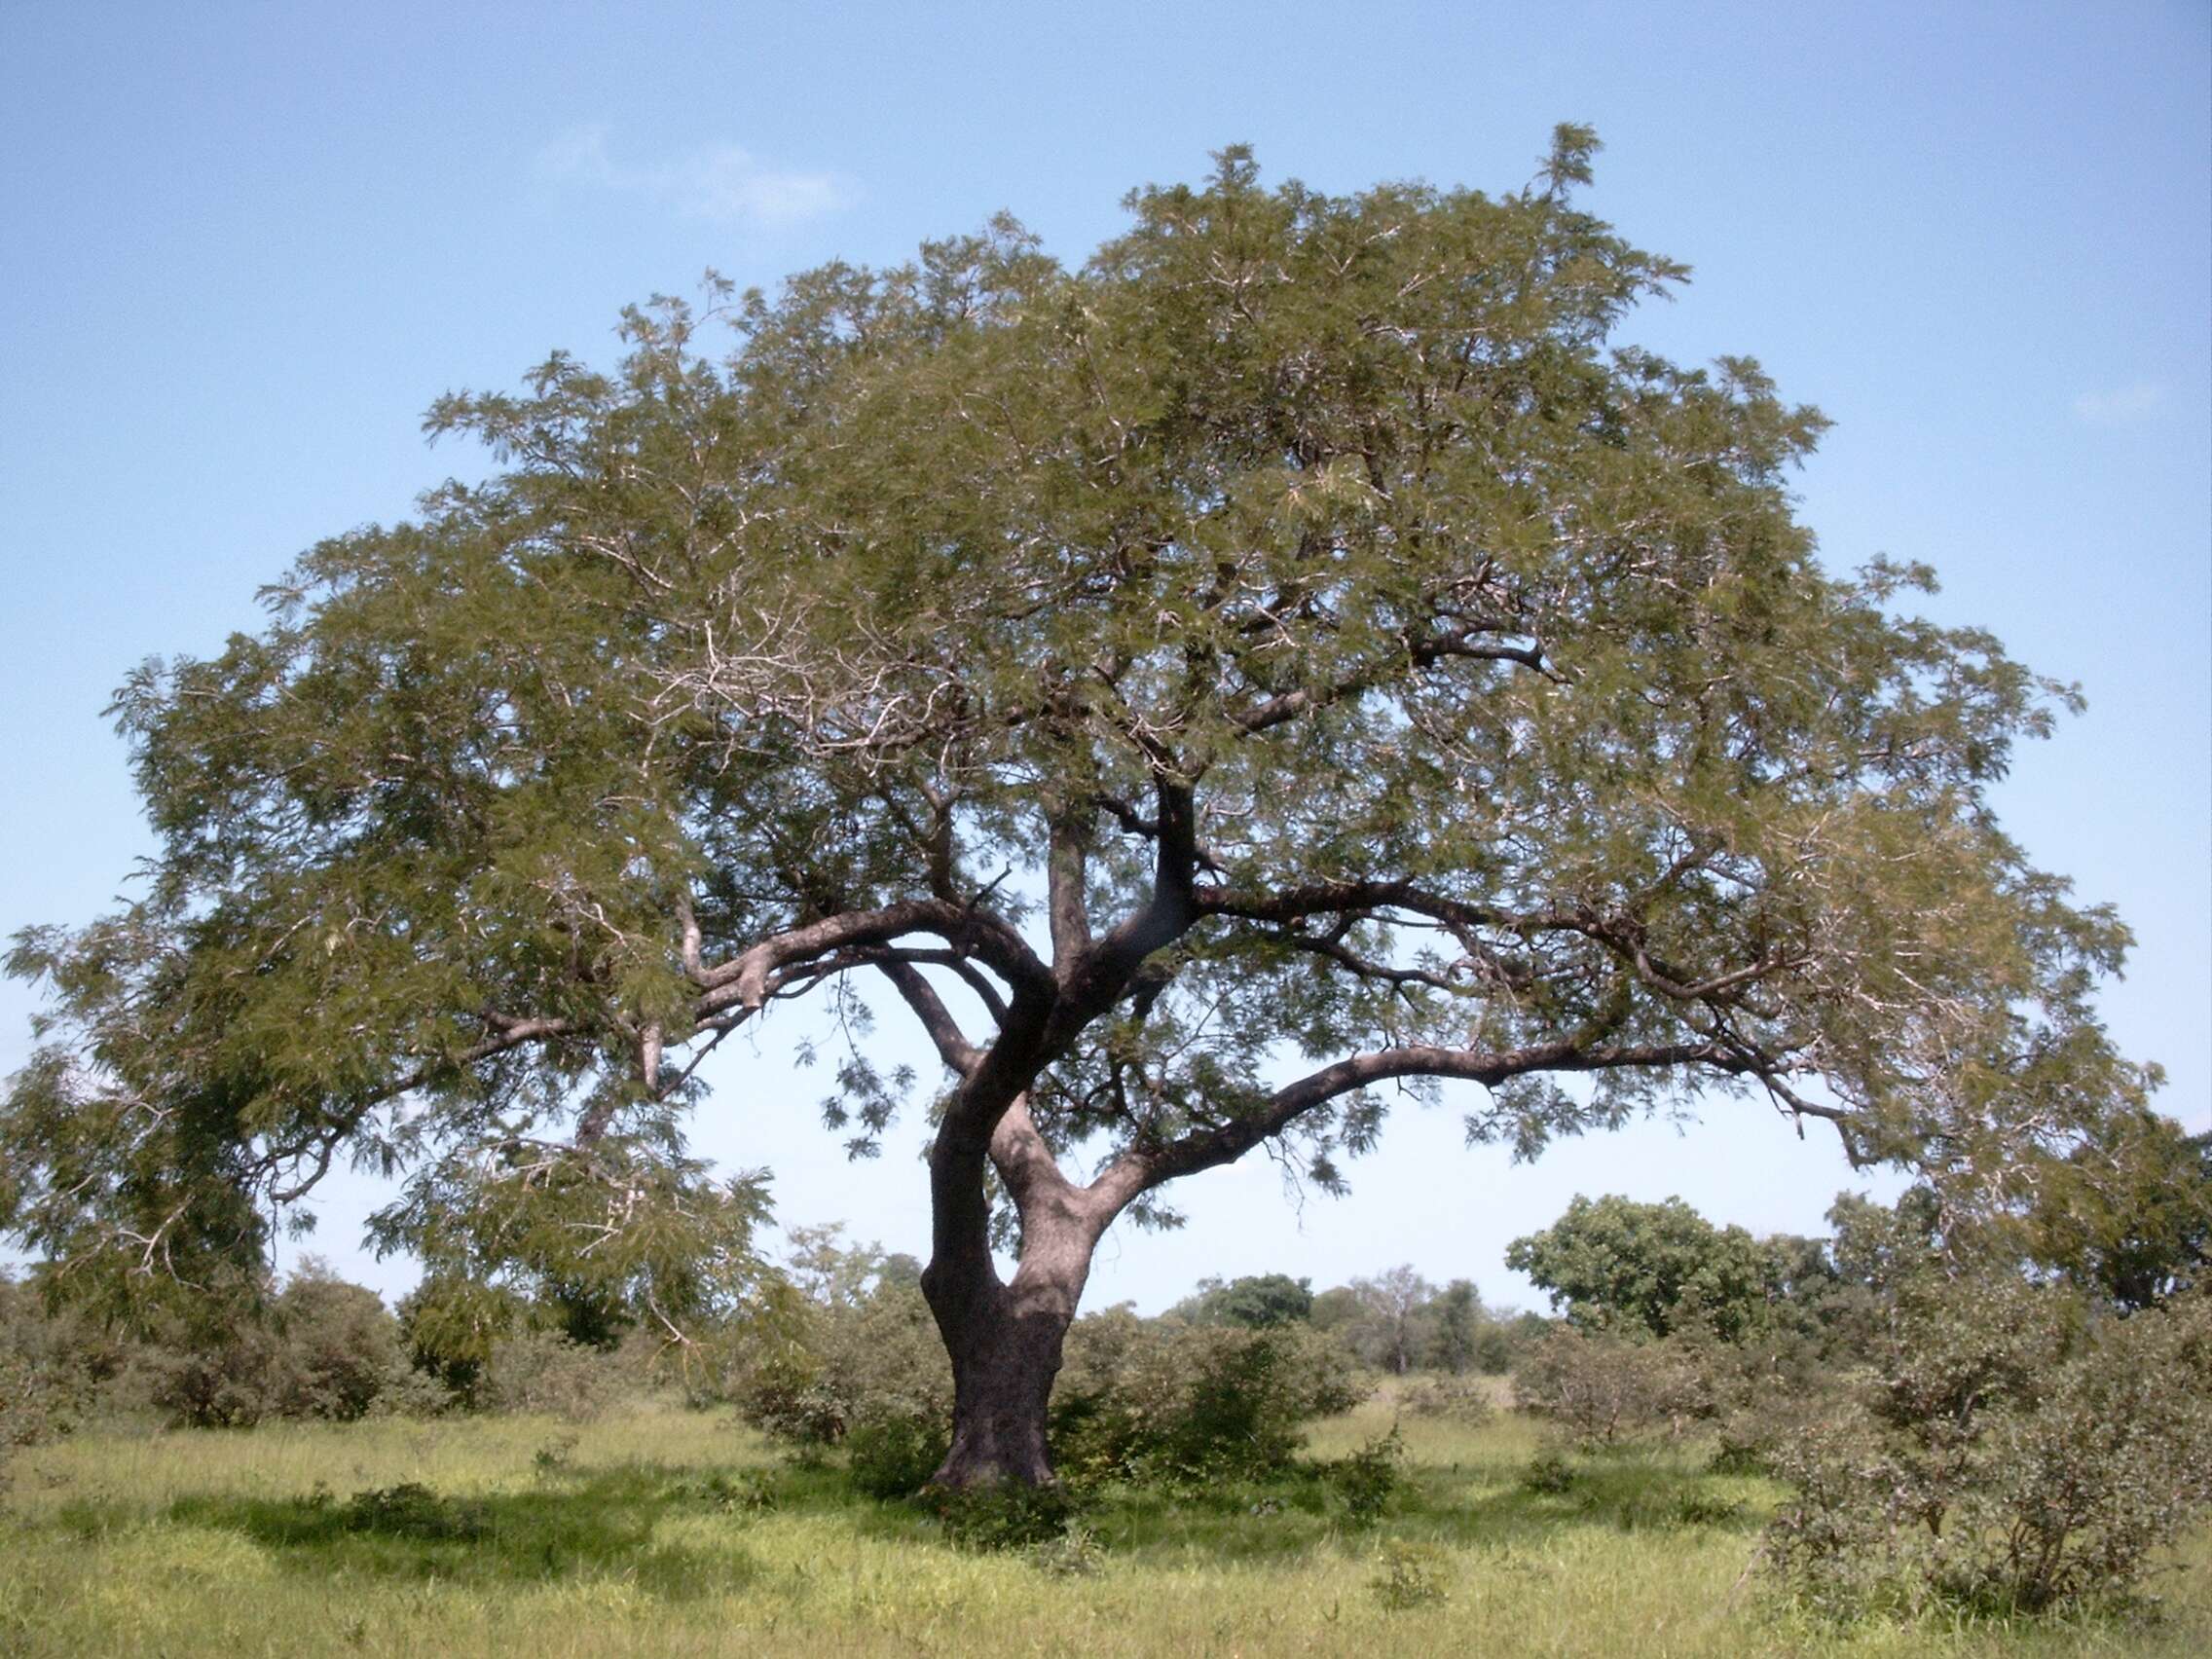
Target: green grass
[{"x": 673, "y": 1533}]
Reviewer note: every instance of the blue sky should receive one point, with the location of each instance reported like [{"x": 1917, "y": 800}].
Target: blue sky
[{"x": 242, "y": 248}]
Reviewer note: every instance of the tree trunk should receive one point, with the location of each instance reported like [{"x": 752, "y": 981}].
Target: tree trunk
[
  {"x": 1005, "y": 1341},
  {"x": 1003, "y": 1370}
]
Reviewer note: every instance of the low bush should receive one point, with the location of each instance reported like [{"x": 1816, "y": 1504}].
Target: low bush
[
  {"x": 1153, "y": 1402},
  {"x": 2012, "y": 1449},
  {"x": 1005, "y": 1516},
  {"x": 543, "y": 1372},
  {"x": 1549, "y": 1474},
  {"x": 1364, "y": 1482},
  {"x": 894, "y": 1454},
  {"x": 1463, "y": 1400},
  {"x": 1602, "y": 1388},
  {"x": 874, "y": 1362},
  {"x": 1411, "y": 1575}
]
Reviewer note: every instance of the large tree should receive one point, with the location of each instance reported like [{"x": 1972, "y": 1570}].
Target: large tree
[{"x": 1289, "y": 663}]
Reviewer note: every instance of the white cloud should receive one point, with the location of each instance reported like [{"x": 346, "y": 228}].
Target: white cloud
[
  {"x": 2121, "y": 405},
  {"x": 720, "y": 181}
]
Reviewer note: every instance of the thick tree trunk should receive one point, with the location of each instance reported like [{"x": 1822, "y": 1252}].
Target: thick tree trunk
[
  {"x": 1006, "y": 1339},
  {"x": 1002, "y": 1376}
]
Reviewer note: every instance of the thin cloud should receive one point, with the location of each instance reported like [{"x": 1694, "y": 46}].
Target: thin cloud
[
  {"x": 720, "y": 181},
  {"x": 2120, "y": 406}
]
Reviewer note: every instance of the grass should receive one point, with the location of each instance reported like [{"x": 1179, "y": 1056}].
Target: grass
[{"x": 665, "y": 1531}]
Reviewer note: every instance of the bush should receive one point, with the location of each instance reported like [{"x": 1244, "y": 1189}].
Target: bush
[
  {"x": 1136, "y": 1399},
  {"x": 1153, "y": 1402},
  {"x": 1005, "y": 1516},
  {"x": 894, "y": 1454},
  {"x": 337, "y": 1348},
  {"x": 1411, "y": 1575},
  {"x": 546, "y": 1373},
  {"x": 1457, "y": 1399},
  {"x": 877, "y": 1360},
  {"x": 1549, "y": 1474},
  {"x": 320, "y": 1348},
  {"x": 1365, "y": 1481},
  {"x": 2010, "y": 1451},
  {"x": 1602, "y": 1388}
]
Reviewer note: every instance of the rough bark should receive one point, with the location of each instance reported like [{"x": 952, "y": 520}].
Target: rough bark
[
  {"x": 1006, "y": 1339},
  {"x": 1005, "y": 1347}
]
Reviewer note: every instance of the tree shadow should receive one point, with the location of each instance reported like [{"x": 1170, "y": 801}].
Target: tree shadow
[
  {"x": 1485, "y": 1508},
  {"x": 594, "y": 1524}
]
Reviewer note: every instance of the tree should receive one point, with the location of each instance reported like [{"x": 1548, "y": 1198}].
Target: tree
[
  {"x": 1286, "y": 664},
  {"x": 1618, "y": 1265},
  {"x": 2130, "y": 1215},
  {"x": 1456, "y": 1345},
  {"x": 1391, "y": 1328},
  {"x": 1254, "y": 1303}
]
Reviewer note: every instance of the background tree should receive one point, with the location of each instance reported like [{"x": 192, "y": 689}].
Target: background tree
[
  {"x": 1457, "y": 1343},
  {"x": 1255, "y": 1302},
  {"x": 2129, "y": 1217},
  {"x": 1286, "y": 666},
  {"x": 1614, "y": 1264}
]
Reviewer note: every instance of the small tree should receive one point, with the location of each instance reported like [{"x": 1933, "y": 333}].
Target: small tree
[
  {"x": 1287, "y": 665},
  {"x": 1456, "y": 1345}
]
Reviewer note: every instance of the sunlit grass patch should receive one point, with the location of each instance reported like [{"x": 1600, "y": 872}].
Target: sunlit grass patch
[{"x": 672, "y": 1532}]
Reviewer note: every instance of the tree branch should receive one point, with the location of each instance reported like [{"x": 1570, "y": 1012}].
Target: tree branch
[{"x": 1139, "y": 1171}]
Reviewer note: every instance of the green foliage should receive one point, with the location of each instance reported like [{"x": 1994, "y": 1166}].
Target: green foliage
[
  {"x": 1618, "y": 1265},
  {"x": 319, "y": 1347},
  {"x": 848, "y": 1364},
  {"x": 2129, "y": 1216},
  {"x": 1455, "y": 1346},
  {"x": 544, "y": 1372},
  {"x": 1254, "y": 1303},
  {"x": 1364, "y": 1481},
  {"x": 1149, "y": 1401},
  {"x": 1436, "y": 683},
  {"x": 1003, "y": 1515},
  {"x": 1550, "y": 1473},
  {"x": 2011, "y": 1450},
  {"x": 1411, "y": 1575},
  {"x": 892, "y": 1451}
]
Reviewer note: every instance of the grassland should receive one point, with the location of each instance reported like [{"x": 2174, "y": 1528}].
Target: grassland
[{"x": 669, "y": 1533}]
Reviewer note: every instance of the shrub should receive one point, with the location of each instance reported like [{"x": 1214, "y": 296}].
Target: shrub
[
  {"x": 1411, "y": 1575},
  {"x": 1006, "y": 1516},
  {"x": 1076, "y": 1553},
  {"x": 1146, "y": 1401},
  {"x": 877, "y": 1360},
  {"x": 1549, "y": 1473},
  {"x": 894, "y": 1453},
  {"x": 1601, "y": 1387},
  {"x": 1457, "y": 1399},
  {"x": 320, "y": 1348},
  {"x": 1365, "y": 1481},
  {"x": 46, "y": 1380},
  {"x": 337, "y": 1348},
  {"x": 544, "y": 1372},
  {"x": 2008, "y": 1451}
]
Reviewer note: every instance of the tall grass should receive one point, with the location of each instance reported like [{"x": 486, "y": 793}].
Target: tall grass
[{"x": 664, "y": 1531}]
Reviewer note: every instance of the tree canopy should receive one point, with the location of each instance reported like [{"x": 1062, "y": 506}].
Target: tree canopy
[
  {"x": 1615, "y": 1264},
  {"x": 1290, "y": 662}
]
